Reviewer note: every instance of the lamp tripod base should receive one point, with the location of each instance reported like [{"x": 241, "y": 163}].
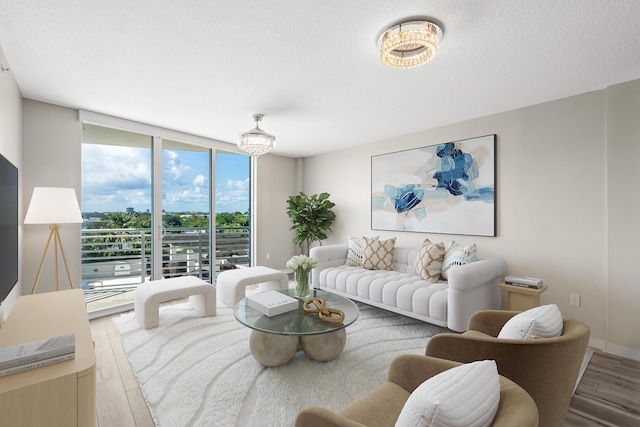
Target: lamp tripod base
[{"x": 57, "y": 241}]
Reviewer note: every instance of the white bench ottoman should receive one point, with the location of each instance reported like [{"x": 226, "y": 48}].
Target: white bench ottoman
[
  {"x": 149, "y": 295},
  {"x": 231, "y": 284}
]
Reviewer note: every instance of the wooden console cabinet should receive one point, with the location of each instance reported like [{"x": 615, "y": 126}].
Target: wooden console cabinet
[{"x": 62, "y": 394}]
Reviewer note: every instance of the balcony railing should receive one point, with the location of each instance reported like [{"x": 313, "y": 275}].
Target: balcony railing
[{"x": 115, "y": 261}]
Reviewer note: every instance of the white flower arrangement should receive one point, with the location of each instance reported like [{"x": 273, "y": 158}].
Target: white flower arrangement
[{"x": 302, "y": 264}]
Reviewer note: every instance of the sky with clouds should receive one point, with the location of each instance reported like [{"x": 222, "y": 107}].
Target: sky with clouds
[{"x": 115, "y": 178}]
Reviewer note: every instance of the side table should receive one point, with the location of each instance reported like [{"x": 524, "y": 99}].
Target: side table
[{"x": 522, "y": 298}]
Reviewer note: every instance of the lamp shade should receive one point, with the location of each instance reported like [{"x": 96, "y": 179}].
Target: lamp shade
[{"x": 52, "y": 205}]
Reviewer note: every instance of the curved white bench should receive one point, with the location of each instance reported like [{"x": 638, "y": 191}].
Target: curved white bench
[
  {"x": 231, "y": 284},
  {"x": 149, "y": 295}
]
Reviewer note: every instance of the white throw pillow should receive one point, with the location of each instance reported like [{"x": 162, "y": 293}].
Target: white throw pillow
[
  {"x": 465, "y": 396},
  {"x": 517, "y": 328},
  {"x": 428, "y": 262},
  {"x": 538, "y": 322},
  {"x": 458, "y": 255}
]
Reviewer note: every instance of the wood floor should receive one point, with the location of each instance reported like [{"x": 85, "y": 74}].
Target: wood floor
[
  {"x": 119, "y": 402},
  {"x": 608, "y": 394}
]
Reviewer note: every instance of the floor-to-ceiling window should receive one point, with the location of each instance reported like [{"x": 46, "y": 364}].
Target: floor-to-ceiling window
[
  {"x": 233, "y": 200},
  {"x": 117, "y": 168},
  {"x": 186, "y": 210},
  {"x": 148, "y": 205}
]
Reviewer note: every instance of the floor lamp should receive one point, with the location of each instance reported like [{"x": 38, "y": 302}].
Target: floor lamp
[{"x": 53, "y": 206}]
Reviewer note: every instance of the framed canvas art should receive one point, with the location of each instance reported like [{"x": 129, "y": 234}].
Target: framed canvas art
[{"x": 446, "y": 188}]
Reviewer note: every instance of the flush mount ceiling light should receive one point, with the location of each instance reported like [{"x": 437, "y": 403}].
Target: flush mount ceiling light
[
  {"x": 256, "y": 142},
  {"x": 409, "y": 44}
]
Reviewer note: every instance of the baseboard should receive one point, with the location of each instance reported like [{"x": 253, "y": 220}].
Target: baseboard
[
  {"x": 597, "y": 344},
  {"x": 111, "y": 310},
  {"x": 618, "y": 350}
]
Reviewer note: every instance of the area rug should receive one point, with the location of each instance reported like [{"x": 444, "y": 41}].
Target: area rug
[{"x": 196, "y": 371}]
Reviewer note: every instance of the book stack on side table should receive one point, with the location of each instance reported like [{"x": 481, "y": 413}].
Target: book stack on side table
[
  {"x": 524, "y": 281},
  {"x": 31, "y": 355}
]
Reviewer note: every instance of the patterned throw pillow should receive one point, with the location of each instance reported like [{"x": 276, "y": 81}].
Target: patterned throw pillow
[
  {"x": 378, "y": 254},
  {"x": 458, "y": 255},
  {"x": 467, "y": 395},
  {"x": 428, "y": 262},
  {"x": 355, "y": 246}
]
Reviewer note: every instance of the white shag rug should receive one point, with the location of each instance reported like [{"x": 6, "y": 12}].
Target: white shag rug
[{"x": 196, "y": 371}]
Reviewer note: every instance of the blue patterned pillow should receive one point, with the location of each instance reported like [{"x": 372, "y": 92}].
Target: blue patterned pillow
[{"x": 458, "y": 255}]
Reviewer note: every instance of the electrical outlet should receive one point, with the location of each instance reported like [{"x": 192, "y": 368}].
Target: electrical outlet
[
  {"x": 268, "y": 255},
  {"x": 574, "y": 299}
]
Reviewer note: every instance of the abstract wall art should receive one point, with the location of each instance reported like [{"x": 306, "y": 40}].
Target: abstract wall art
[{"x": 447, "y": 188}]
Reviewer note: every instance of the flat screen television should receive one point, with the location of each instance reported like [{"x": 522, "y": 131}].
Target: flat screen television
[{"x": 8, "y": 226}]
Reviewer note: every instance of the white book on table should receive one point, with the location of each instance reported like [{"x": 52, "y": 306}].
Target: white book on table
[{"x": 272, "y": 303}]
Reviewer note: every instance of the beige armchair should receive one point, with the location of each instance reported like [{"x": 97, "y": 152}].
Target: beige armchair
[
  {"x": 382, "y": 405},
  {"x": 547, "y": 368}
]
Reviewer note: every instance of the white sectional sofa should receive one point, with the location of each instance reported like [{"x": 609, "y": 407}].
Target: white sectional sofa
[{"x": 470, "y": 288}]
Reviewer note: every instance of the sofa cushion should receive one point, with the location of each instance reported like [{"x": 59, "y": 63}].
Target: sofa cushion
[
  {"x": 428, "y": 262},
  {"x": 406, "y": 292},
  {"x": 378, "y": 254},
  {"x": 355, "y": 247},
  {"x": 467, "y": 395},
  {"x": 458, "y": 255},
  {"x": 538, "y": 322}
]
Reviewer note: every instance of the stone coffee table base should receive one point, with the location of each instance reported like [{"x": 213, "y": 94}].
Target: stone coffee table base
[{"x": 272, "y": 350}]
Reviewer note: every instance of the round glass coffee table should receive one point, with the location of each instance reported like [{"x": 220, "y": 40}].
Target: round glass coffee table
[{"x": 275, "y": 340}]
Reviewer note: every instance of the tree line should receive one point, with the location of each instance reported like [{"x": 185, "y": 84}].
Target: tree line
[{"x": 113, "y": 220}]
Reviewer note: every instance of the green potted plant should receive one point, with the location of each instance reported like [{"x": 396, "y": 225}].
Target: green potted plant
[{"x": 311, "y": 216}]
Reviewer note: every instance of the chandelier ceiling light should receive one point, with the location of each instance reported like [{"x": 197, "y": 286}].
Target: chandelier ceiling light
[
  {"x": 409, "y": 44},
  {"x": 256, "y": 142}
]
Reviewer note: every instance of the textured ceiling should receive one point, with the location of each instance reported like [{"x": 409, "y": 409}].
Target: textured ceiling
[{"x": 312, "y": 67}]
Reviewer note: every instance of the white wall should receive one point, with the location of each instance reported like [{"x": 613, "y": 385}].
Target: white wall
[
  {"x": 623, "y": 201},
  {"x": 51, "y": 158},
  {"x": 11, "y": 148},
  {"x": 551, "y": 204},
  {"x": 276, "y": 182}
]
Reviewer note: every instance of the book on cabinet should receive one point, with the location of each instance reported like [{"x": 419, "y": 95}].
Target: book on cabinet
[
  {"x": 37, "y": 364},
  {"x": 36, "y": 351}
]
